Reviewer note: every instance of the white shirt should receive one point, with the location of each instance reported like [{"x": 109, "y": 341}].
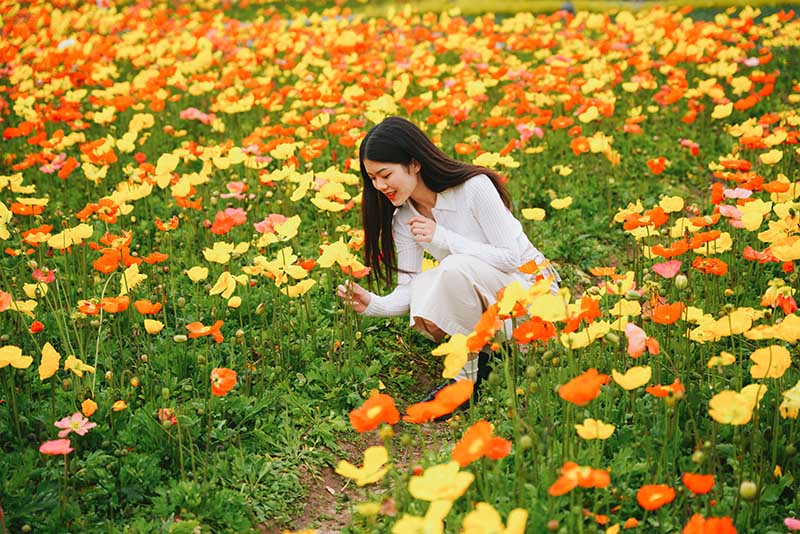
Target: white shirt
[{"x": 470, "y": 219}]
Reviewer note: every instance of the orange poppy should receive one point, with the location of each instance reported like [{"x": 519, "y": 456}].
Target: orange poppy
[
  {"x": 675, "y": 389},
  {"x": 378, "y": 408},
  {"x": 88, "y": 307},
  {"x": 115, "y": 304},
  {"x": 478, "y": 442},
  {"x": 698, "y": 484},
  {"x": 445, "y": 402},
  {"x": 485, "y": 329},
  {"x": 222, "y": 380},
  {"x": 197, "y": 329},
  {"x": 713, "y": 525},
  {"x": 145, "y": 307},
  {"x": 654, "y": 496},
  {"x": 668, "y": 313},
  {"x": 657, "y": 165},
  {"x": 534, "y": 329},
  {"x": 583, "y": 388},
  {"x": 574, "y": 475},
  {"x": 675, "y": 249},
  {"x": 710, "y": 266}
]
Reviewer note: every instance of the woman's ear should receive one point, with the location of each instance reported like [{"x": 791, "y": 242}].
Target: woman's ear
[{"x": 415, "y": 166}]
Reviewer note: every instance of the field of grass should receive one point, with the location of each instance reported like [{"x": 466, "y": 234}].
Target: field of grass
[{"x": 179, "y": 199}]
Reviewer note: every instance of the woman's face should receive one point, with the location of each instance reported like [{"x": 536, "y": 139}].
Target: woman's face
[{"x": 393, "y": 180}]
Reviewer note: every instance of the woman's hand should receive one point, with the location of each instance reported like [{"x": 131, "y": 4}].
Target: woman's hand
[
  {"x": 422, "y": 229},
  {"x": 354, "y": 296}
]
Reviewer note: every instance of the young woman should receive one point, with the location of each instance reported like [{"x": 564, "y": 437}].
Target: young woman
[{"x": 417, "y": 199}]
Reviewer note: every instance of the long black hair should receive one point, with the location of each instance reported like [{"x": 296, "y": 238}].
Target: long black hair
[{"x": 397, "y": 140}]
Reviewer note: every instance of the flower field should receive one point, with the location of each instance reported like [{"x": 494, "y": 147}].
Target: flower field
[{"x": 180, "y": 197}]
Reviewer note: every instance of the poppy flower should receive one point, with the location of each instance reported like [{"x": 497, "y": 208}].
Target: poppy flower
[
  {"x": 676, "y": 389},
  {"x": 534, "y": 329},
  {"x": 446, "y": 401},
  {"x": 478, "y": 442},
  {"x": 374, "y": 469},
  {"x": 668, "y": 269},
  {"x": 594, "y": 429},
  {"x": 197, "y": 329},
  {"x": 75, "y": 423},
  {"x": 654, "y": 496},
  {"x": 485, "y": 329},
  {"x": 713, "y": 525},
  {"x": 583, "y": 388},
  {"x": 440, "y": 482},
  {"x": 88, "y": 407},
  {"x": 222, "y": 380},
  {"x": 574, "y": 475},
  {"x": 710, "y": 266},
  {"x": 36, "y": 327},
  {"x": 698, "y": 484},
  {"x": 667, "y": 313},
  {"x": 145, "y": 307},
  {"x": 119, "y": 406},
  {"x": 379, "y": 408},
  {"x": 55, "y": 447},
  {"x": 657, "y": 165}
]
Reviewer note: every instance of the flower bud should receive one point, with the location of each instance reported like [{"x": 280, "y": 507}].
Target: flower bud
[
  {"x": 525, "y": 442},
  {"x": 135, "y": 382},
  {"x": 612, "y": 338},
  {"x": 181, "y": 302},
  {"x": 261, "y": 308},
  {"x": 748, "y": 490},
  {"x": 681, "y": 282},
  {"x": 632, "y": 295},
  {"x": 179, "y": 338},
  {"x": 165, "y": 393}
]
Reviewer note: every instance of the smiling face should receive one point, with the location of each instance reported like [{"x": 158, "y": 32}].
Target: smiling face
[{"x": 394, "y": 180}]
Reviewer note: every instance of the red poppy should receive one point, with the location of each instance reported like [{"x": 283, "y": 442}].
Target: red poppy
[
  {"x": 654, "y": 496},
  {"x": 583, "y": 388},
  {"x": 657, "y": 165},
  {"x": 36, "y": 327},
  {"x": 222, "y": 380},
  {"x": 698, "y": 484},
  {"x": 377, "y": 409}
]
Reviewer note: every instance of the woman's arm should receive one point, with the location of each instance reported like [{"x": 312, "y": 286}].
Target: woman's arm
[
  {"x": 409, "y": 264},
  {"x": 501, "y": 228}
]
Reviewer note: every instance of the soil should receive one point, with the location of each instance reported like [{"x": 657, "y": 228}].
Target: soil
[{"x": 331, "y": 498}]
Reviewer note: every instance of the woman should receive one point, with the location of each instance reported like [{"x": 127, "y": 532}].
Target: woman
[{"x": 417, "y": 199}]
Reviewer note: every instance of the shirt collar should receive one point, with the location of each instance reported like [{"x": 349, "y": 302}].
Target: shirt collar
[{"x": 446, "y": 201}]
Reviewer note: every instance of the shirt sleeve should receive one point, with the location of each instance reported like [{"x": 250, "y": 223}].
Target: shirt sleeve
[
  {"x": 499, "y": 225},
  {"x": 409, "y": 264}
]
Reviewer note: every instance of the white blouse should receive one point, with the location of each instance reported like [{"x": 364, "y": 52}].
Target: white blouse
[{"x": 470, "y": 219}]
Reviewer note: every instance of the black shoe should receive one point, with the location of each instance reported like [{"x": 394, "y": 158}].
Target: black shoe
[{"x": 484, "y": 368}]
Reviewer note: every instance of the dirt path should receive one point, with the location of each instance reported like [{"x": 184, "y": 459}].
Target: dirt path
[{"x": 331, "y": 498}]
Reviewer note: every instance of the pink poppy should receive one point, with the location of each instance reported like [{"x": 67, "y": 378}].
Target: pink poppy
[
  {"x": 235, "y": 190},
  {"x": 76, "y": 423},
  {"x": 267, "y": 226},
  {"x": 792, "y": 523},
  {"x": 739, "y": 192},
  {"x": 43, "y": 275},
  {"x": 668, "y": 269},
  {"x": 636, "y": 340},
  {"x": 54, "y": 447}
]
